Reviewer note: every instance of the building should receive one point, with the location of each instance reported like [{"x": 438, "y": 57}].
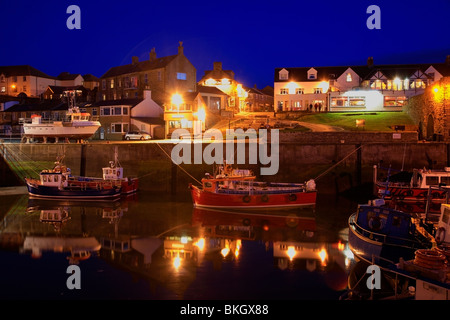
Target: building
[
  {"x": 258, "y": 100},
  {"x": 353, "y": 88},
  {"x": 66, "y": 79},
  {"x": 224, "y": 81},
  {"x": 117, "y": 117},
  {"x": 163, "y": 76},
  {"x": 186, "y": 111},
  {"x": 24, "y": 79}
]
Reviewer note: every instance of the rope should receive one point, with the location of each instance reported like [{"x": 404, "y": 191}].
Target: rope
[
  {"x": 335, "y": 165},
  {"x": 182, "y": 169}
]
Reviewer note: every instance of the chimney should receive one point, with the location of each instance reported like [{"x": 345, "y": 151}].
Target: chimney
[
  {"x": 447, "y": 61},
  {"x": 180, "y": 48},
  {"x": 147, "y": 94},
  {"x": 152, "y": 54},
  {"x": 134, "y": 60},
  {"x": 218, "y": 66},
  {"x": 370, "y": 62}
]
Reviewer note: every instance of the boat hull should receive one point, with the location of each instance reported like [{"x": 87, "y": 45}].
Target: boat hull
[
  {"x": 204, "y": 199},
  {"x": 75, "y": 193},
  {"x": 410, "y": 194},
  {"x": 61, "y": 130},
  {"x": 127, "y": 185}
]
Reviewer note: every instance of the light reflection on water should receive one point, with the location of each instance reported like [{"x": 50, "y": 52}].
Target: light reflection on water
[{"x": 153, "y": 247}]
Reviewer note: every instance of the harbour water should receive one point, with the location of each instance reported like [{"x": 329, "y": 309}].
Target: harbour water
[{"x": 158, "y": 247}]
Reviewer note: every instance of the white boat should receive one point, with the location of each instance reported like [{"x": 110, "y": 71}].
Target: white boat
[{"x": 76, "y": 125}]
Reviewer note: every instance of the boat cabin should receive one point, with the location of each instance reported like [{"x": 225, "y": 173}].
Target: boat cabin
[
  {"x": 385, "y": 221},
  {"x": 112, "y": 172},
  {"x": 433, "y": 178},
  {"x": 53, "y": 179}
]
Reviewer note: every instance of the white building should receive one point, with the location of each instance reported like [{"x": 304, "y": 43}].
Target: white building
[
  {"x": 353, "y": 88},
  {"x": 24, "y": 79}
]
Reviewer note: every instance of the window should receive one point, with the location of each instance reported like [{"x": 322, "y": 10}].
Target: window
[
  {"x": 317, "y": 90},
  {"x": 112, "y": 84},
  {"x": 117, "y": 111},
  {"x": 24, "y": 78},
  {"x": 394, "y": 101},
  {"x": 356, "y": 101},
  {"x": 299, "y": 91},
  {"x": 349, "y": 77},
  {"x": 2, "y": 79},
  {"x": 105, "y": 111},
  {"x": 445, "y": 180},
  {"x": 284, "y": 91},
  {"x": 181, "y": 76},
  {"x": 432, "y": 180},
  {"x": 24, "y": 89},
  {"x": 125, "y": 111},
  {"x": 3, "y": 89},
  {"x": 134, "y": 82},
  {"x": 94, "y": 111},
  {"x": 104, "y": 84},
  {"x": 146, "y": 78},
  {"x": 283, "y": 76},
  {"x": 159, "y": 75}
]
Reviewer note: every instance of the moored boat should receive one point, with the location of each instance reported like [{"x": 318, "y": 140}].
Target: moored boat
[
  {"x": 379, "y": 234},
  {"x": 237, "y": 189},
  {"x": 56, "y": 183}
]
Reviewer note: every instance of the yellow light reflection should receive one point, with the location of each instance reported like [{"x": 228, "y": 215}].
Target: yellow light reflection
[
  {"x": 436, "y": 89},
  {"x": 323, "y": 256},
  {"x": 177, "y": 262},
  {"x": 200, "y": 244},
  {"x": 225, "y": 251},
  {"x": 291, "y": 252}
]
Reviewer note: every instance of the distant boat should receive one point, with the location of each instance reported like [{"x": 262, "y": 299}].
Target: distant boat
[
  {"x": 55, "y": 183},
  {"x": 237, "y": 189},
  {"x": 383, "y": 235},
  {"x": 414, "y": 186}
]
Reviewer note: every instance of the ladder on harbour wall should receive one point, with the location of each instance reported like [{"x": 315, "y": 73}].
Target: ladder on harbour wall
[{"x": 19, "y": 162}]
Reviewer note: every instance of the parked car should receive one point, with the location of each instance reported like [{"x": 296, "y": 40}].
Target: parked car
[{"x": 136, "y": 135}]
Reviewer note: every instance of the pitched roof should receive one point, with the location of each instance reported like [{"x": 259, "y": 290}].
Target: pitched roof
[
  {"x": 23, "y": 70},
  {"x": 139, "y": 66},
  {"x": 67, "y": 76},
  {"x": 119, "y": 102},
  {"x": 61, "y": 89},
  {"x": 46, "y": 105},
  {"x": 211, "y": 90},
  {"x": 90, "y": 77}
]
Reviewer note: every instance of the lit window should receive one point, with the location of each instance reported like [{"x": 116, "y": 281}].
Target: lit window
[
  {"x": 3, "y": 89},
  {"x": 112, "y": 84},
  {"x": 317, "y": 90},
  {"x": 181, "y": 76},
  {"x": 283, "y": 75},
  {"x": 103, "y": 84},
  {"x": 349, "y": 77},
  {"x": 299, "y": 91},
  {"x": 283, "y": 91}
]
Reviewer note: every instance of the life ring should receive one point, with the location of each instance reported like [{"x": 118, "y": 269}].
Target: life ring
[
  {"x": 292, "y": 197},
  {"x": 265, "y": 198},
  {"x": 440, "y": 235},
  {"x": 376, "y": 223},
  {"x": 246, "y": 199},
  {"x": 430, "y": 259}
]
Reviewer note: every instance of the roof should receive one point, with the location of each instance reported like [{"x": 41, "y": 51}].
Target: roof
[
  {"x": 46, "y": 105},
  {"x": 211, "y": 90},
  {"x": 139, "y": 66},
  {"x": 90, "y": 77},
  {"x": 23, "y": 70},
  {"x": 67, "y": 76},
  {"x": 120, "y": 102},
  {"x": 218, "y": 74},
  {"x": 150, "y": 120},
  {"x": 364, "y": 71}
]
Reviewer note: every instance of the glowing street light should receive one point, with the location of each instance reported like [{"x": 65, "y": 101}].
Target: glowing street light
[{"x": 177, "y": 100}]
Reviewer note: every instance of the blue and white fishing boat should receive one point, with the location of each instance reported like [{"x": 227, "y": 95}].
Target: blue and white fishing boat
[
  {"x": 56, "y": 183},
  {"x": 382, "y": 235}
]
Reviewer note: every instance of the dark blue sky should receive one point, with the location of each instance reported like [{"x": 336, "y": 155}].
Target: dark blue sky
[{"x": 250, "y": 37}]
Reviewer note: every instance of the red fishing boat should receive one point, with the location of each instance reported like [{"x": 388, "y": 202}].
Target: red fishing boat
[{"x": 237, "y": 189}]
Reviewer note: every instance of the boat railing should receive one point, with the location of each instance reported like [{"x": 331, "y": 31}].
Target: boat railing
[{"x": 383, "y": 238}]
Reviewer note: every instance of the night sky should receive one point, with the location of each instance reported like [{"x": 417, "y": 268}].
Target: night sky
[{"x": 250, "y": 37}]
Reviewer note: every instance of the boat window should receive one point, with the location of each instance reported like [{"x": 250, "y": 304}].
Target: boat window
[
  {"x": 432, "y": 180},
  {"x": 446, "y": 215},
  {"x": 44, "y": 178},
  {"x": 50, "y": 178},
  {"x": 208, "y": 185},
  {"x": 396, "y": 221},
  {"x": 445, "y": 180}
]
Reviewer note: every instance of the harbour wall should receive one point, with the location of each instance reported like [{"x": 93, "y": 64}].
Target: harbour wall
[{"x": 335, "y": 166}]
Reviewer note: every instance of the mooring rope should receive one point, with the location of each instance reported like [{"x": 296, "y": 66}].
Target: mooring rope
[
  {"x": 164, "y": 151},
  {"x": 336, "y": 164}
]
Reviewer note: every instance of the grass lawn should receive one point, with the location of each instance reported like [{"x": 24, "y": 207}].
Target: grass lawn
[{"x": 374, "y": 121}]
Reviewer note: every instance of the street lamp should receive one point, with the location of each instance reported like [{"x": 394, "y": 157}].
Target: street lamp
[{"x": 177, "y": 100}]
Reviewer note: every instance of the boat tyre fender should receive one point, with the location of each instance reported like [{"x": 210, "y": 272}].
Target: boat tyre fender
[
  {"x": 440, "y": 235},
  {"x": 246, "y": 199},
  {"x": 265, "y": 198},
  {"x": 292, "y": 197}
]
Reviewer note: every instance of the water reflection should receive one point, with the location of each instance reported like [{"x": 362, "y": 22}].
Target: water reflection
[{"x": 183, "y": 252}]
